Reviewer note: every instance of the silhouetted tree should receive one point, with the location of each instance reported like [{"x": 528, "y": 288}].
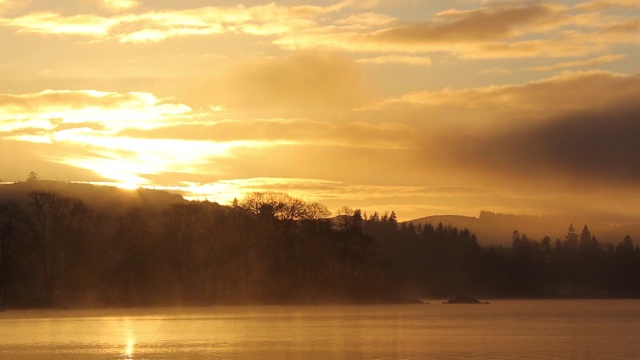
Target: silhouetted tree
[
  {"x": 571, "y": 240},
  {"x": 273, "y": 248},
  {"x": 57, "y": 225},
  {"x": 627, "y": 267},
  {"x": 10, "y": 217},
  {"x": 134, "y": 248},
  {"x": 182, "y": 231},
  {"x": 282, "y": 206},
  {"x": 588, "y": 242},
  {"x": 33, "y": 177}
]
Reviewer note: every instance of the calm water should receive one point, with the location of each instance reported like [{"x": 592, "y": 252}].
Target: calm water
[{"x": 541, "y": 329}]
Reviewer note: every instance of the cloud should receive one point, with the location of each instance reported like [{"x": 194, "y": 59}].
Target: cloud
[
  {"x": 11, "y": 5},
  {"x": 560, "y": 45},
  {"x": 597, "y": 5},
  {"x": 495, "y": 70},
  {"x": 159, "y": 25},
  {"x": 366, "y": 20},
  {"x": 500, "y": 30},
  {"x": 491, "y": 23},
  {"x": 54, "y": 23},
  {"x": 30, "y": 156},
  {"x": 89, "y": 121},
  {"x": 133, "y": 161},
  {"x": 578, "y": 150},
  {"x": 119, "y": 5},
  {"x": 493, "y": 30},
  {"x": 335, "y": 194},
  {"x": 580, "y": 63},
  {"x": 261, "y": 20},
  {"x": 565, "y": 135},
  {"x": 511, "y": 104},
  {"x": 397, "y": 59},
  {"x": 301, "y": 80},
  {"x": 628, "y": 27},
  {"x": 546, "y": 135},
  {"x": 88, "y": 125},
  {"x": 569, "y": 135},
  {"x": 287, "y": 78},
  {"x": 109, "y": 110},
  {"x": 292, "y": 131}
]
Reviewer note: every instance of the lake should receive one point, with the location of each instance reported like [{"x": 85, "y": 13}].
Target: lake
[{"x": 505, "y": 329}]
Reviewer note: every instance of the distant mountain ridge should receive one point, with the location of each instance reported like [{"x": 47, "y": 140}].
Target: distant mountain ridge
[
  {"x": 497, "y": 229},
  {"x": 100, "y": 197},
  {"x": 490, "y": 228}
]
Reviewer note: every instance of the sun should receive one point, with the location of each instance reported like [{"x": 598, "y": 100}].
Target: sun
[{"x": 121, "y": 173}]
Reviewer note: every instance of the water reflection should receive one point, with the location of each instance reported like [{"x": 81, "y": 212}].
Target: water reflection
[
  {"x": 130, "y": 345},
  {"x": 511, "y": 329}
]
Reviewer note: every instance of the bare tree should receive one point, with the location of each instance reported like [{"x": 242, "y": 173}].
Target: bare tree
[
  {"x": 55, "y": 222},
  {"x": 282, "y": 206},
  {"x": 9, "y": 222},
  {"x": 182, "y": 230}
]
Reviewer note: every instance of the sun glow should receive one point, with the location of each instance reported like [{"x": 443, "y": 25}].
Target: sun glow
[
  {"x": 376, "y": 101},
  {"x": 122, "y": 173},
  {"x": 223, "y": 192},
  {"x": 129, "y": 348},
  {"x": 127, "y": 162}
]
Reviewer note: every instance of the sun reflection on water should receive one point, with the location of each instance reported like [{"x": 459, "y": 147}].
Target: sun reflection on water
[{"x": 129, "y": 348}]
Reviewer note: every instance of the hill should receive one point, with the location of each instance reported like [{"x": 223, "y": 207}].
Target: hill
[
  {"x": 490, "y": 228},
  {"x": 497, "y": 229},
  {"x": 107, "y": 198}
]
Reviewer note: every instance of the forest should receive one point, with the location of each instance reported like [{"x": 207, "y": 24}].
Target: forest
[{"x": 57, "y": 250}]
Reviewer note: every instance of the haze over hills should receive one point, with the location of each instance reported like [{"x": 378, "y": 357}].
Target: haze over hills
[
  {"x": 490, "y": 228},
  {"x": 100, "y": 197},
  {"x": 145, "y": 247},
  {"x": 497, "y": 229}
]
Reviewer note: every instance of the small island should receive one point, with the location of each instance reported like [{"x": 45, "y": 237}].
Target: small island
[{"x": 464, "y": 299}]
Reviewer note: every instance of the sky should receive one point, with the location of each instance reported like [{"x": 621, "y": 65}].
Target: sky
[{"x": 420, "y": 107}]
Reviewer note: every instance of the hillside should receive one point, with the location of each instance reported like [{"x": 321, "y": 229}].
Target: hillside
[
  {"x": 490, "y": 228},
  {"x": 497, "y": 229},
  {"x": 107, "y": 198},
  {"x": 135, "y": 249}
]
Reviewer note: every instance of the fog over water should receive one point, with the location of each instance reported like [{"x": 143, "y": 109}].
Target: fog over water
[{"x": 505, "y": 329}]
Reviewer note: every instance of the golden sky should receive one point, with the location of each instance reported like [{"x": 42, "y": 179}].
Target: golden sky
[{"x": 419, "y": 106}]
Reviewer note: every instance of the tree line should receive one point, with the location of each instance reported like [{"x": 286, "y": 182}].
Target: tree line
[
  {"x": 442, "y": 260},
  {"x": 266, "y": 248},
  {"x": 56, "y": 250}
]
